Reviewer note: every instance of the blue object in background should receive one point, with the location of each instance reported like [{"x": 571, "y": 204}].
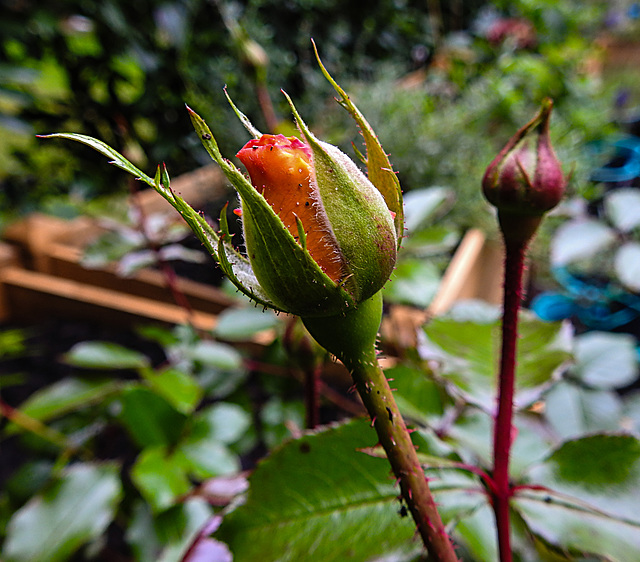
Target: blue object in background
[
  {"x": 603, "y": 307},
  {"x": 626, "y": 160}
]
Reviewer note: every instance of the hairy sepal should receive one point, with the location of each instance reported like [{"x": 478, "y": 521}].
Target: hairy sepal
[{"x": 379, "y": 167}]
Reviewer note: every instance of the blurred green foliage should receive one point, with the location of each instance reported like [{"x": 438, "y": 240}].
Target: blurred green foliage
[{"x": 122, "y": 72}]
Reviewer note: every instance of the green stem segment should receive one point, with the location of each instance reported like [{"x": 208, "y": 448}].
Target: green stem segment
[{"x": 352, "y": 339}]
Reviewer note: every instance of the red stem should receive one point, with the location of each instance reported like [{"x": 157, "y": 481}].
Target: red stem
[{"x": 503, "y": 428}]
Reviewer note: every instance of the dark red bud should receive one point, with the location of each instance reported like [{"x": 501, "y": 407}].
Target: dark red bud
[{"x": 525, "y": 180}]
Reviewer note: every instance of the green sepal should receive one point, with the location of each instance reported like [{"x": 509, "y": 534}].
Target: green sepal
[
  {"x": 162, "y": 177},
  {"x": 379, "y": 167},
  {"x": 359, "y": 154},
  {"x": 248, "y": 125},
  {"x": 287, "y": 273},
  {"x": 302, "y": 235},
  {"x": 358, "y": 215},
  {"x": 351, "y": 337},
  {"x": 234, "y": 265},
  {"x": 160, "y": 183},
  {"x": 237, "y": 268},
  {"x": 116, "y": 158}
]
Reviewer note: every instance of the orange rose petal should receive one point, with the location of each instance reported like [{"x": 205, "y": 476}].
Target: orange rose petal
[{"x": 280, "y": 169}]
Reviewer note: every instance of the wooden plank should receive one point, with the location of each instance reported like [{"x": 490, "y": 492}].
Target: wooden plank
[
  {"x": 39, "y": 230},
  {"x": 54, "y": 246},
  {"x": 29, "y": 295},
  {"x": 65, "y": 262},
  {"x": 475, "y": 272},
  {"x": 8, "y": 255},
  {"x": 32, "y": 235}
]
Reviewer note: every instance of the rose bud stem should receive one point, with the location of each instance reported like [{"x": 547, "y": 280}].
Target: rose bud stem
[
  {"x": 523, "y": 182},
  {"x": 351, "y": 338},
  {"x": 503, "y": 429}
]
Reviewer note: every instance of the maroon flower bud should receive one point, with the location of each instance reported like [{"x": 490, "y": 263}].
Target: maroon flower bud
[{"x": 525, "y": 180}]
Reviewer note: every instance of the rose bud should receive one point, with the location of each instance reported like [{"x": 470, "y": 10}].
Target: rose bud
[
  {"x": 348, "y": 229},
  {"x": 321, "y": 236},
  {"x": 525, "y": 180}
]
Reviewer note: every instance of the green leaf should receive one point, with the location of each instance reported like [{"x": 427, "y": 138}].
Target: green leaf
[
  {"x": 626, "y": 265},
  {"x": 12, "y": 343},
  {"x": 605, "y": 360},
  {"x": 477, "y": 533},
  {"x": 216, "y": 354},
  {"x": 141, "y": 535},
  {"x": 277, "y": 416},
  {"x": 471, "y": 437},
  {"x": 205, "y": 445},
  {"x": 63, "y": 397},
  {"x": 149, "y": 418},
  {"x": 421, "y": 205},
  {"x": 178, "y": 388},
  {"x": 468, "y": 353},
  {"x": 458, "y": 493},
  {"x": 192, "y": 516},
  {"x": 434, "y": 240},
  {"x": 104, "y": 355},
  {"x": 622, "y": 207},
  {"x": 224, "y": 422},
  {"x": 221, "y": 383},
  {"x": 475, "y": 310},
  {"x": 572, "y": 526},
  {"x": 161, "y": 477},
  {"x": 631, "y": 409},
  {"x": 580, "y": 239},
  {"x": 319, "y": 498},
  {"x": 573, "y": 411},
  {"x": 241, "y": 324},
  {"x": 76, "y": 509},
  {"x": 243, "y": 118},
  {"x": 602, "y": 470},
  {"x": 413, "y": 282},
  {"x": 168, "y": 536},
  {"x": 164, "y": 336},
  {"x": 205, "y": 458}
]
